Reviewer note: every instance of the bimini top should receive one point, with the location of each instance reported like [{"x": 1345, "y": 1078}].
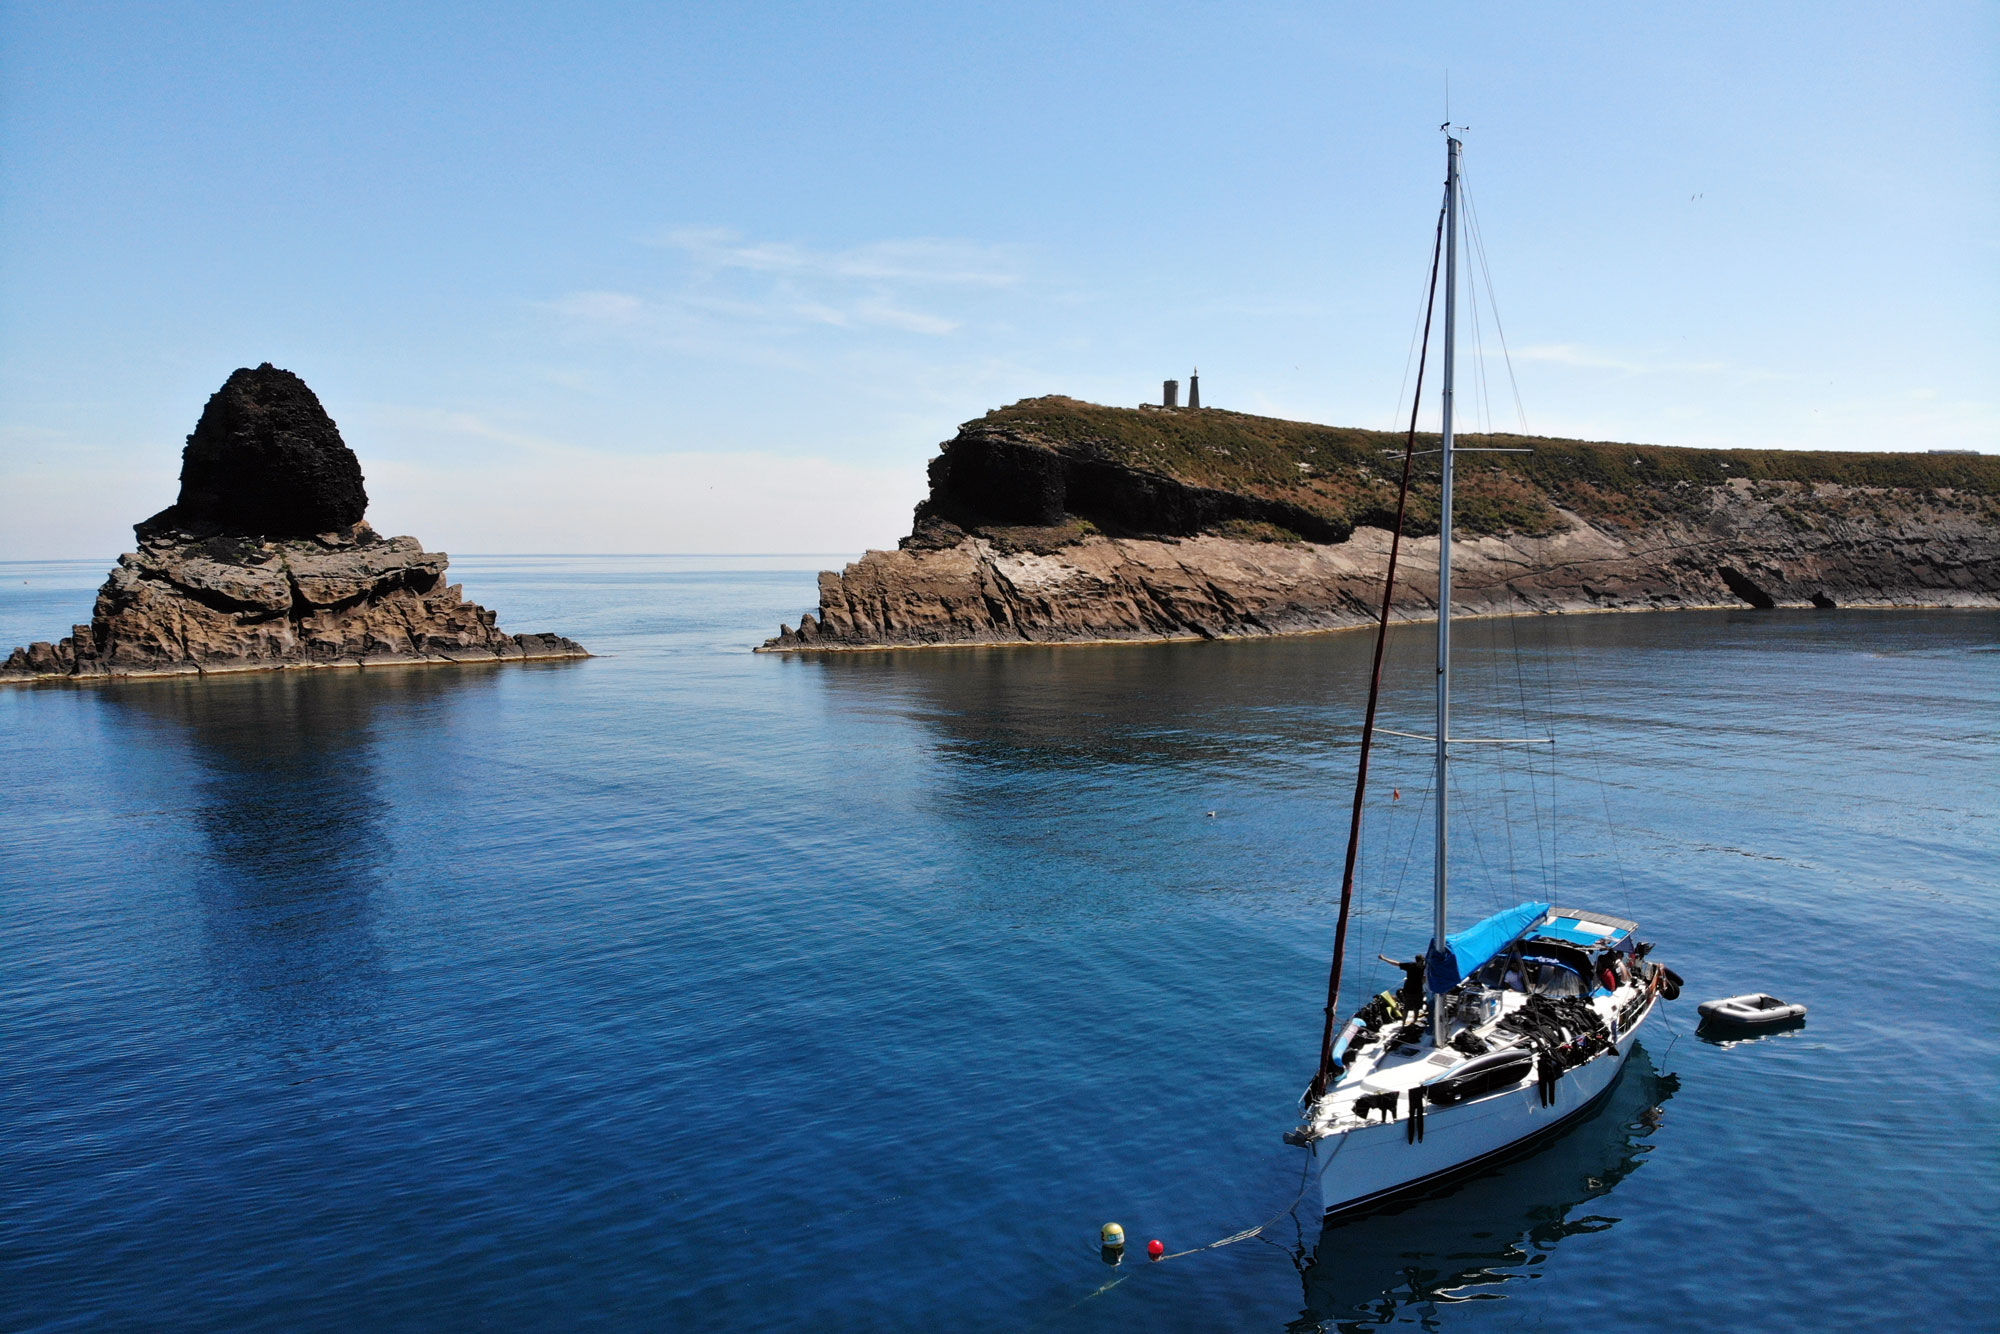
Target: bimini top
[
  {"x": 1465, "y": 951},
  {"x": 1592, "y": 930}
]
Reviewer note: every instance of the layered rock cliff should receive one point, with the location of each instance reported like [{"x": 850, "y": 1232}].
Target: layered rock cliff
[
  {"x": 264, "y": 561},
  {"x": 1057, "y": 521}
]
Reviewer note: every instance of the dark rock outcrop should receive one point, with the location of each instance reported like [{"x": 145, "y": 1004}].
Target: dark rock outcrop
[
  {"x": 1004, "y": 476},
  {"x": 265, "y": 460},
  {"x": 264, "y": 563},
  {"x": 1056, "y": 521}
]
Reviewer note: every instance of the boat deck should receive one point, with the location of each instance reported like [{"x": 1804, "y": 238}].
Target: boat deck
[{"x": 1394, "y": 1070}]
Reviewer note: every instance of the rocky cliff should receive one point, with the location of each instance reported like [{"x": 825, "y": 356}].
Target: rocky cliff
[
  {"x": 1054, "y": 521},
  {"x": 264, "y": 562}
]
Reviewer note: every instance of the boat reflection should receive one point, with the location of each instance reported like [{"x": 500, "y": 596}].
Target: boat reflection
[
  {"x": 1470, "y": 1243},
  {"x": 1726, "y": 1038}
]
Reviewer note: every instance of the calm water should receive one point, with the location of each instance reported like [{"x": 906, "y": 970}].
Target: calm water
[{"x": 686, "y": 988}]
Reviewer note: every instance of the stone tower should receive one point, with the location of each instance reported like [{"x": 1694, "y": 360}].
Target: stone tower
[{"x": 1170, "y": 394}]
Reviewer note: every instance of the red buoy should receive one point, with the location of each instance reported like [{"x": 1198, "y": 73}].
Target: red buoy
[{"x": 1156, "y": 1248}]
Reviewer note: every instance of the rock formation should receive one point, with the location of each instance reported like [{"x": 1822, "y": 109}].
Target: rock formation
[
  {"x": 264, "y": 562},
  {"x": 266, "y": 459},
  {"x": 1058, "y": 521}
]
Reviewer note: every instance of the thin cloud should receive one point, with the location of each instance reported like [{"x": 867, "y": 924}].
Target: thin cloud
[
  {"x": 684, "y": 315},
  {"x": 916, "y": 261},
  {"x": 599, "y": 307},
  {"x": 427, "y": 422},
  {"x": 733, "y": 287},
  {"x": 1572, "y": 354},
  {"x": 911, "y": 321}
]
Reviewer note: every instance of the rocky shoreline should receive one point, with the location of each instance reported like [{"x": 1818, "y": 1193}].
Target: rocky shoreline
[
  {"x": 265, "y": 563},
  {"x": 187, "y": 605},
  {"x": 1054, "y": 522}
]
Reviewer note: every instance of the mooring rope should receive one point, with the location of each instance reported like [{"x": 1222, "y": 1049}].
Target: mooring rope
[{"x": 1305, "y": 1184}]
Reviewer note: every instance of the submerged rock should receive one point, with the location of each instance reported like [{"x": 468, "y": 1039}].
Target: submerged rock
[{"x": 264, "y": 562}]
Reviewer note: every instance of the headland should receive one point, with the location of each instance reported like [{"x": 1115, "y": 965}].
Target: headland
[{"x": 1059, "y": 521}]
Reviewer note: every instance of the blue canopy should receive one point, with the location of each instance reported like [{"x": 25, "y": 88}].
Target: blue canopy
[
  {"x": 1580, "y": 930},
  {"x": 1466, "y": 951}
]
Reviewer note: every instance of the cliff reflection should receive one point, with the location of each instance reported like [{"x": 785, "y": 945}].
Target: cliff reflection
[
  {"x": 1472, "y": 1242},
  {"x": 1255, "y": 704},
  {"x": 1035, "y": 708},
  {"x": 1095, "y": 769}
]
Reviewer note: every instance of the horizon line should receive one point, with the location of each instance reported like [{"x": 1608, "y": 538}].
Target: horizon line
[{"x": 467, "y": 555}]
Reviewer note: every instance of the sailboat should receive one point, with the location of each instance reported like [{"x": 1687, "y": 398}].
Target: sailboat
[
  {"x": 1503, "y": 1033},
  {"x": 1387, "y": 1268}
]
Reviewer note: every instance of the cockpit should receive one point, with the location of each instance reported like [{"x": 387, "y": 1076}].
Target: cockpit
[{"x": 1538, "y": 967}]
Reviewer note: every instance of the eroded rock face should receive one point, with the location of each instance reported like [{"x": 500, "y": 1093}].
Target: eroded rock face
[
  {"x": 265, "y": 459},
  {"x": 224, "y": 581},
  {"x": 222, "y": 604},
  {"x": 1209, "y": 586},
  {"x": 1027, "y": 540}
]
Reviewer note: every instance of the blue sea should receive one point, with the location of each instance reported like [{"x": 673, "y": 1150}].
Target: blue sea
[{"x": 686, "y": 988}]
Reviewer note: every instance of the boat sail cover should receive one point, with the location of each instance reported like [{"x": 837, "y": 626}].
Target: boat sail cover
[{"x": 1465, "y": 951}]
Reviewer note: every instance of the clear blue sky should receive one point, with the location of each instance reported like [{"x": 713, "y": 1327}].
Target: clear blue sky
[{"x": 675, "y": 278}]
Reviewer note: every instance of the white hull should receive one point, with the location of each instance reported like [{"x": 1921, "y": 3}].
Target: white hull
[{"x": 1369, "y": 1165}]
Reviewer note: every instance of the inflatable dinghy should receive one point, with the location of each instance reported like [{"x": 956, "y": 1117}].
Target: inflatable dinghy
[{"x": 1750, "y": 1012}]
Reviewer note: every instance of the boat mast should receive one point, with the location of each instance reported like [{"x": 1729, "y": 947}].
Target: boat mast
[{"x": 1444, "y": 568}]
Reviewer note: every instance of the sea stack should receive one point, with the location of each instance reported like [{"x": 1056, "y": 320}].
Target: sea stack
[{"x": 265, "y": 562}]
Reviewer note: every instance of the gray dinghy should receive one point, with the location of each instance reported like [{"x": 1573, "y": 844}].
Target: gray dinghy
[{"x": 1750, "y": 1012}]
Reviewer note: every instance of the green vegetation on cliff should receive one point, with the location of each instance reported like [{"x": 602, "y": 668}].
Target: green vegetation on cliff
[{"x": 1348, "y": 475}]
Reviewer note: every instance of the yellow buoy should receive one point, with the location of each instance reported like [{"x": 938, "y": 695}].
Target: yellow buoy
[{"x": 1112, "y": 1236}]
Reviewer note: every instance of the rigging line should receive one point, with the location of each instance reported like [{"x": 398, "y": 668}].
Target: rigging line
[
  {"x": 1485, "y": 387},
  {"x": 1418, "y": 826},
  {"x": 1548, "y": 726},
  {"x": 1472, "y": 312},
  {"x": 1612, "y": 835},
  {"x": 1319, "y": 1083},
  {"x": 1471, "y": 740},
  {"x": 1483, "y": 409},
  {"x": 1417, "y": 324},
  {"x": 1507, "y": 810},
  {"x": 1493, "y": 300},
  {"x": 1484, "y": 398},
  {"x": 1471, "y": 830},
  {"x": 1500, "y": 683},
  {"x": 1521, "y": 700},
  {"x": 1476, "y": 244},
  {"x": 1555, "y": 790},
  {"x": 1483, "y": 777},
  {"x": 1554, "y": 776}
]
